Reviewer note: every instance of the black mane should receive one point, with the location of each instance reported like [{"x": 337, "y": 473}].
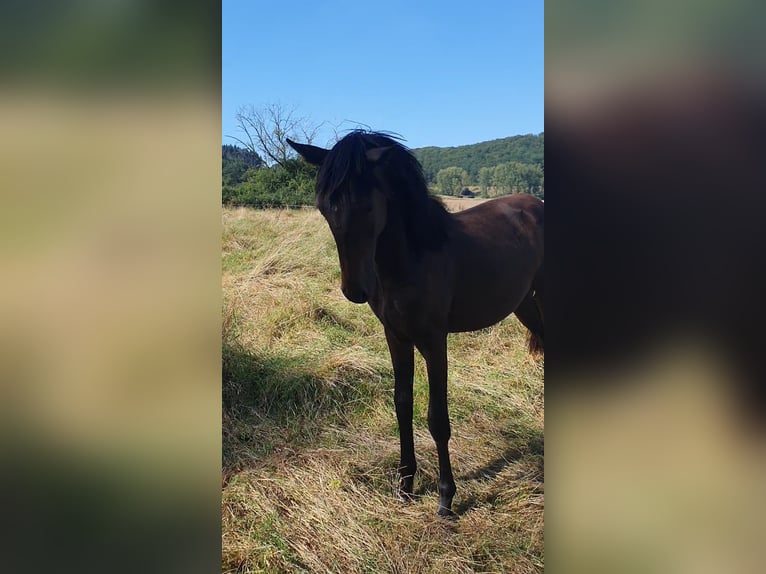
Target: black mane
[
  {"x": 348, "y": 158},
  {"x": 426, "y": 221}
]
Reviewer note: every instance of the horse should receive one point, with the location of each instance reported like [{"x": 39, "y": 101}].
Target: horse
[{"x": 425, "y": 272}]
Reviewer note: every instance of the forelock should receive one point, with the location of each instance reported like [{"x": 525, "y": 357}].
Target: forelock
[{"x": 348, "y": 158}]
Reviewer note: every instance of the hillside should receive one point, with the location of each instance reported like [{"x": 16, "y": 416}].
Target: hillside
[
  {"x": 235, "y": 162},
  {"x": 527, "y": 149}
]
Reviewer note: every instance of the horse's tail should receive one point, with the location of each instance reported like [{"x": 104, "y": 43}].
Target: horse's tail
[
  {"x": 536, "y": 346},
  {"x": 530, "y": 313}
]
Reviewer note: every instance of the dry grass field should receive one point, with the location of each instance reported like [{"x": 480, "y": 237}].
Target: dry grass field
[
  {"x": 310, "y": 440},
  {"x": 460, "y": 203}
]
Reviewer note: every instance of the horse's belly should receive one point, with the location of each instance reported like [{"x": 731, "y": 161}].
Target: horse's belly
[
  {"x": 491, "y": 272},
  {"x": 471, "y": 312}
]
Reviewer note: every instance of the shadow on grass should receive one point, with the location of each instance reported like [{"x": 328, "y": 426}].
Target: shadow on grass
[
  {"x": 268, "y": 384},
  {"x": 281, "y": 402},
  {"x": 527, "y": 450},
  {"x": 533, "y": 444},
  {"x": 521, "y": 446}
]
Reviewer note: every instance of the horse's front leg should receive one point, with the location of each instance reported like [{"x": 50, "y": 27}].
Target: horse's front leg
[
  {"x": 434, "y": 351},
  {"x": 402, "y": 358}
]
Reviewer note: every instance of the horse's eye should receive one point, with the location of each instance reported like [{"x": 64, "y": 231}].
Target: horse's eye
[{"x": 334, "y": 208}]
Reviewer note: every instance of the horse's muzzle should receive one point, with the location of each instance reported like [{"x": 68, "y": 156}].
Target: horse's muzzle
[{"x": 355, "y": 295}]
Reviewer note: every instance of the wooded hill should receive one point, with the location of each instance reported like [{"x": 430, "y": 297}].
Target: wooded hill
[
  {"x": 235, "y": 163},
  {"x": 526, "y": 149}
]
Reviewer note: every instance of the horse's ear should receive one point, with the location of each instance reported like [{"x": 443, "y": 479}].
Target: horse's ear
[
  {"x": 311, "y": 153},
  {"x": 375, "y": 154}
]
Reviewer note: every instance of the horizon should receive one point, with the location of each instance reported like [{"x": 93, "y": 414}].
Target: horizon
[
  {"x": 239, "y": 145},
  {"x": 445, "y": 75}
]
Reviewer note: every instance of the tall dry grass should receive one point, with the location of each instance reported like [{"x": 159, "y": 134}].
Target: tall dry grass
[{"x": 310, "y": 437}]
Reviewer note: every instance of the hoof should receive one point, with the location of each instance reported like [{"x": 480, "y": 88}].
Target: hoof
[
  {"x": 405, "y": 497},
  {"x": 404, "y": 489},
  {"x": 446, "y": 513}
]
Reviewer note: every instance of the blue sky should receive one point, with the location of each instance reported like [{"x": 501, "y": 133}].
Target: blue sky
[{"x": 439, "y": 73}]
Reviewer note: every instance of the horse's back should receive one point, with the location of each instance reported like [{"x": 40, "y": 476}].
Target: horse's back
[
  {"x": 515, "y": 207},
  {"x": 512, "y": 225}
]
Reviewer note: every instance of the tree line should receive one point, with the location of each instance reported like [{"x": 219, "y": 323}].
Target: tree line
[
  {"x": 263, "y": 171},
  {"x": 502, "y": 179},
  {"x": 288, "y": 185}
]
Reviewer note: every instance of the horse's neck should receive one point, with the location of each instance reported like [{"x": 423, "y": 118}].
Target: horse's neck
[{"x": 394, "y": 261}]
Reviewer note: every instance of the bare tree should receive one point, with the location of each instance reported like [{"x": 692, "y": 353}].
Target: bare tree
[{"x": 266, "y": 129}]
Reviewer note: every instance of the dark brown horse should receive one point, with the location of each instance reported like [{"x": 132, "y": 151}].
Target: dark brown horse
[{"x": 426, "y": 272}]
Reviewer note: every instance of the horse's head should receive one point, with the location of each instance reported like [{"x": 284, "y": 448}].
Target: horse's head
[{"x": 350, "y": 196}]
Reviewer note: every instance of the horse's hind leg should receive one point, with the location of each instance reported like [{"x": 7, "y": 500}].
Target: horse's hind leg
[{"x": 530, "y": 313}]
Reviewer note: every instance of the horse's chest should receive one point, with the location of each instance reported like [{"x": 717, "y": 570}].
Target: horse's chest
[
  {"x": 405, "y": 314},
  {"x": 392, "y": 310}
]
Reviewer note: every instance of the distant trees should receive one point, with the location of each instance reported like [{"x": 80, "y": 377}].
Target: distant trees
[
  {"x": 530, "y": 179},
  {"x": 265, "y": 131},
  {"x": 516, "y": 177},
  {"x": 485, "y": 180},
  {"x": 451, "y": 180},
  {"x": 502, "y": 179}
]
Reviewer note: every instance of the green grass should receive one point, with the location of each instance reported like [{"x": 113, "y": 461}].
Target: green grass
[{"x": 310, "y": 436}]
